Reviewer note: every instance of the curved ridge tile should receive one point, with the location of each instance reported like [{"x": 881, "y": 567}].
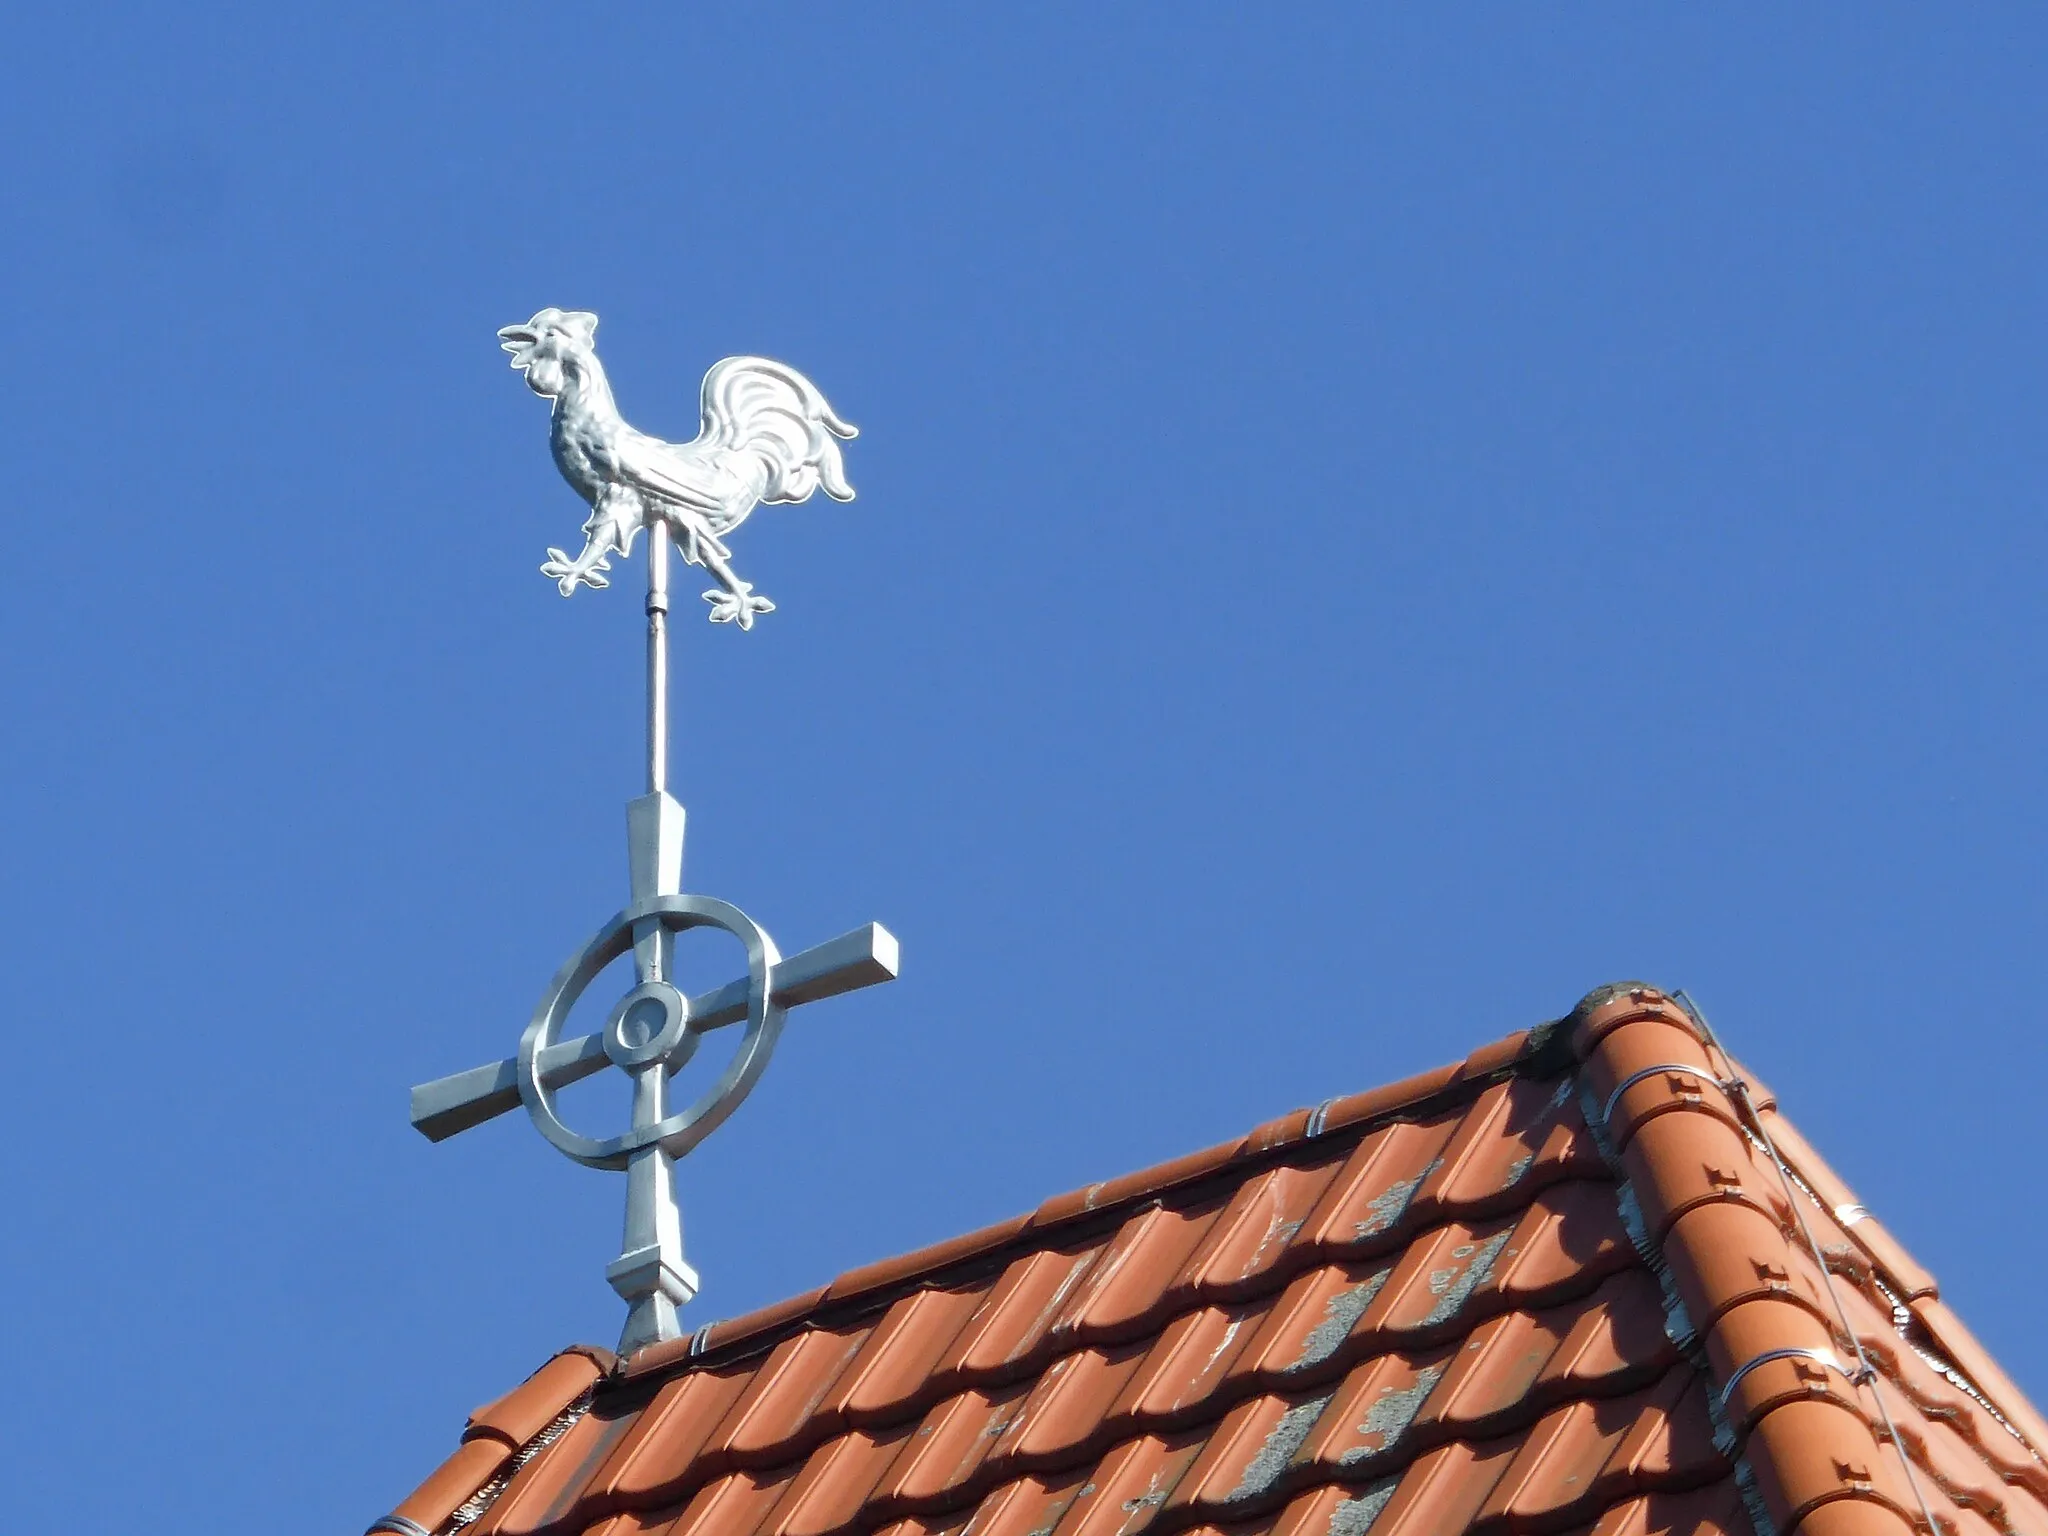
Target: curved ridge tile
[
  {"x": 531, "y": 1406},
  {"x": 454, "y": 1483},
  {"x": 551, "y": 1491},
  {"x": 499, "y": 1431},
  {"x": 1806, "y": 1439}
]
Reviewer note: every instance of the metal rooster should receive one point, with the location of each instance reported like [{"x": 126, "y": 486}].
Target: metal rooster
[{"x": 768, "y": 436}]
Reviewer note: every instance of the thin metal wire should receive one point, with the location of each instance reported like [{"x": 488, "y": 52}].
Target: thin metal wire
[{"x": 1866, "y": 1373}]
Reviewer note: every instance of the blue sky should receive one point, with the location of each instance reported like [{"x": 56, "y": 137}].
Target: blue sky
[{"x": 1370, "y": 524}]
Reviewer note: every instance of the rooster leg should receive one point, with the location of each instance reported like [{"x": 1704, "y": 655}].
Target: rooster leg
[
  {"x": 694, "y": 539},
  {"x": 601, "y": 539},
  {"x": 732, "y": 600}
]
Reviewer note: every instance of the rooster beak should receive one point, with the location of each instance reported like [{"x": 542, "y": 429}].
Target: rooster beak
[{"x": 517, "y": 338}]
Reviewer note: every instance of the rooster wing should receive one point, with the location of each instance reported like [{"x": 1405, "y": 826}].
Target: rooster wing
[{"x": 687, "y": 476}]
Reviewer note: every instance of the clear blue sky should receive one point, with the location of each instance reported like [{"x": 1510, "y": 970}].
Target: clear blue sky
[{"x": 1370, "y": 524}]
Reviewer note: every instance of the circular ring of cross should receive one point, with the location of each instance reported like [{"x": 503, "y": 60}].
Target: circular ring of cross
[{"x": 634, "y": 1048}]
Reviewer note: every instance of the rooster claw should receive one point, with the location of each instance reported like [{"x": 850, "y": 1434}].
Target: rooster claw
[
  {"x": 567, "y": 574},
  {"x": 736, "y": 607}
]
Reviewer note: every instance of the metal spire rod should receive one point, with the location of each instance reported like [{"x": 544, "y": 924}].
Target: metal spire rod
[
  {"x": 657, "y": 658},
  {"x": 650, "y": 1274}
]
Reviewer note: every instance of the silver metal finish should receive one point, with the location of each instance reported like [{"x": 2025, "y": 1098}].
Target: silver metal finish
[
  {"x": 657, "y": 659},
  {"x": 448, "y": 1105},
  {"x": 651, "y": 1032},
  {"x": 1821, "y": 1357},
  {"x": 675, "y": 1133},
  {"x": 767, "y": 436},
  {"x": 1677, "y": 1067},
  {"x": 1318, "y": 1118}
]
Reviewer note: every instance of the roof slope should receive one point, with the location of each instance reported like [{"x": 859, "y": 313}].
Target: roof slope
[{"x": 1561, "y": 1286}]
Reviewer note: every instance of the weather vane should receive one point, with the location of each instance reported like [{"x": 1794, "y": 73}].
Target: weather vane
[{"x": 767, "y": 436}]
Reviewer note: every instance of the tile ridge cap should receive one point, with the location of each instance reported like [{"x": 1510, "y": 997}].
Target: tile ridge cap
[
  {"x": 494, "y": 1435},
  {"x": 1540, "y": 1052},
  {"x": 544, "y": 1393},
  {"x": 1908, "y": 1282},
  {"x": 1763, "y": 1440}
]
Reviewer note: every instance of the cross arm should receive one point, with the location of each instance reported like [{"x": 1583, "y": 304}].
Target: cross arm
[{"x": 862, "y": 958}]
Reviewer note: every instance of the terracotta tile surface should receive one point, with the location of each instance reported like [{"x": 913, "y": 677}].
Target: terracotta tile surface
[{"x": 1560, "y": 1287}]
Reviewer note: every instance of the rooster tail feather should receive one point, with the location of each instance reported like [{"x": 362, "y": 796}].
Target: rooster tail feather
[{"x": 756, "y": 406}]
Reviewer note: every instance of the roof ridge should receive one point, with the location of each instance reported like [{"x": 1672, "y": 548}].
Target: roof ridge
[
  {"x": 1539, "y": 1052},
  {"x": 1761, "y": 1310},
  {"x": 1910, "y": 1283},
  {"x": 497, "y": 1433},
  {"x": 1427, "y": 1307}
]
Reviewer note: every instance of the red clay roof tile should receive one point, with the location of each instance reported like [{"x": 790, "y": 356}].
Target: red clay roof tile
[
  {"x": 667, "y": 1433},
  {"x": 1510, "y": 1295},
  {"x": 733, "y": 1505},
  {"x": 552, "y": 1486},
  {"x": 1960, "y": 1346},
  {"x": 1441, "y": 1492},
  {"x": 1841, "y": 1210},
  {"x": 454, "y": 1482},
  {"x": 1854, "y": 1518},
  {"x": 526, "y": 1410},
  {"x": 1720, "y": 1256},
  {"x": 898, "y": 1355},
  {"x": 1715, "y": 1510}
]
